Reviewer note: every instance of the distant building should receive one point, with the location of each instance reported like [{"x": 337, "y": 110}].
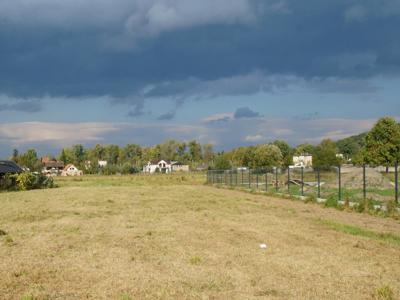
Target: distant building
[
  {"x": 71, "y": 170},
  {"x": 304, "y": 160},
  {"x": 51, "y": 166},
  {"x": 102, "y": 163},
  {"x": 179, "y": 167},
  {"x": 165, "y": 166}
]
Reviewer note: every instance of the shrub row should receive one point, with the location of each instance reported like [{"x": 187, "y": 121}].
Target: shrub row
[{"x": 25, "y": 181}]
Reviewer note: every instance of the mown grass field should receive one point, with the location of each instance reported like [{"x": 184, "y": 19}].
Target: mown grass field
[{"x": 172, "y": 237}]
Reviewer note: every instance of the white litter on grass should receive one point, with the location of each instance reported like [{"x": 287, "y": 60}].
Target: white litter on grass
[{"x": 263, "y": 246}]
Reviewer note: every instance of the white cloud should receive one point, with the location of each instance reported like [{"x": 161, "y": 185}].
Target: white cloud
[
  {"x": 57, "y": 133},
  {"x": 254, "y": 138}
]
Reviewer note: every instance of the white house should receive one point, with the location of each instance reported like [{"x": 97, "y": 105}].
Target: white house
[
  {"x": 165, "y": 166},
  {"x": 162, "y": 166},
  {"x": 71, "y": 170},
  {"x": 303, "y": 160},
  {"x": 102, "y": 163}
]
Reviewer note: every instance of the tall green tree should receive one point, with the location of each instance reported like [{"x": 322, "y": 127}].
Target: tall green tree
[
  {"x": 267, "y": 156},
  {"x": 208, "y": 153},
  {"x": 30, "y": 160},
  {"x": 222, "y": 162},
  {"x": 15, "y": 156},
  {"x": 325, "y": 155},
  {"x": 79, "y": 154},
  {"x": 286, "y": 151},
  {"x": 195, "y": 151},
  {"x": 382, "y": 143},
  {"x": 112, "y": 154}
]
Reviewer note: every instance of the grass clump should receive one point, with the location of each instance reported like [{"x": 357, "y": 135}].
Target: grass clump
[
  {"x": 28, "y": 297},
  {"x": 384, "y": 293},
  {"x": 195, "y": 260},
  {"x": 357, "y": 231},
  {"x": 2, "y": 232},
  {"x": 331, "y": 202}
]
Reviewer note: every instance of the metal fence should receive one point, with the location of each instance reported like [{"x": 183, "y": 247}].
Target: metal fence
[{"x": 341, "y": 183}]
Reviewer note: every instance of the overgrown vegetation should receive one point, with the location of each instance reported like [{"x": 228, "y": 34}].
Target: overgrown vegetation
[{"x": 25, "y": 181}]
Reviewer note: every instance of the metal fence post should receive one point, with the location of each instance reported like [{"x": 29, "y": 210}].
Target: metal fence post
[
  {"x": 230, "y": 177},
  {"x": 242, "y": 178},
  {"x": 340, "y": 182},
  {"x": 249, "y": 179},
  {"x": 302, "y": 181},
  {"x": 319, "y": 182},
  {"x": 364, "y": 184},
  {"x": 236, "y": 178},
  {"x": 276, "y": 179},
  {"x": 288, "y": 179},
  {"x": 266, "y": 180},
  {"x": 257, "y": 179},
  {"x": 396, "y": 181}
]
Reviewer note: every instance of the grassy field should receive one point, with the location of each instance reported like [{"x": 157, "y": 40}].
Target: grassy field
[{"x": 172, "y": 237}]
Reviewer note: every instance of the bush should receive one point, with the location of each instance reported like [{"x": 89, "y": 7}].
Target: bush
[
  {"x": 25, "y": 181},
  {"x": 331, "y": 202}
]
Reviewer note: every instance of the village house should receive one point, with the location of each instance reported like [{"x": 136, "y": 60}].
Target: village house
[
  {"x": 51, "y": 166},
  {"x": 165, "y": 166},
  {"x": 304, "y": 160},
  {"x": 71, "y": 170}
]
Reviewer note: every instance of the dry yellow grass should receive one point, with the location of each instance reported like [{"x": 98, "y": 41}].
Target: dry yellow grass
[{"x": 149, "y": 238}]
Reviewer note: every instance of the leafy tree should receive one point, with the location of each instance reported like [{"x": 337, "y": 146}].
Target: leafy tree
[
  {"x": 195, "y": 151},
  {"x": 66, "y": 156},
  {"x": 132, "y": 153},
  {"x": 208, "y": 153},
  {"x": 15, "y": 156},
  {"x": 267, "y": 156},
  {"x": 168, "y": 150},
  {"x": 30, "y": 160},
  {"x": 304, "y": 149},
  {"x": 98, "y": 153},
  {"x": 112, "y": 154},
  {"x": 382, "y": 143},
  {"x": 181, "y": 150},
  {"x": 222, "y": 162},
  {"x": 351, "y": 146},
  {"x": 79, "y": 154},
  {"x": 325, "y": 155},
  {"x": 286, "y": 151}
]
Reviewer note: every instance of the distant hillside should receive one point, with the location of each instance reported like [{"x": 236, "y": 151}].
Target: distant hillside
[{"x": 352, "y": 145}]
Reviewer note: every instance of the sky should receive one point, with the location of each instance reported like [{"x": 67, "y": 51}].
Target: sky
[{"x": 226, "y": 72}]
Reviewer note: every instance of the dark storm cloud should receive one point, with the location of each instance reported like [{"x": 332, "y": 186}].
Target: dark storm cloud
[
  {"x": 245, "y": 112},
  {"x": 188, "y": 48},
  {"x": 167, "y": 116}
]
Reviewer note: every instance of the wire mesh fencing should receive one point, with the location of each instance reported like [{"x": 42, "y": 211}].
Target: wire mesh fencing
[{"x": 338, "y": 183}]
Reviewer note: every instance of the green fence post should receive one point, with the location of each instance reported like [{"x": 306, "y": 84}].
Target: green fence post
[
  {"x": 319, "y": 182},
  {"x": 396, "y": 181},
  {"x": 302, "y": 181},
  {"x": 340, "y": 182},
  {"x": 364, "y": 184}
]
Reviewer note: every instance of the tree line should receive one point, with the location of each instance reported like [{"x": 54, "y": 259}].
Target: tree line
[{"x": 380, "y": 146}]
